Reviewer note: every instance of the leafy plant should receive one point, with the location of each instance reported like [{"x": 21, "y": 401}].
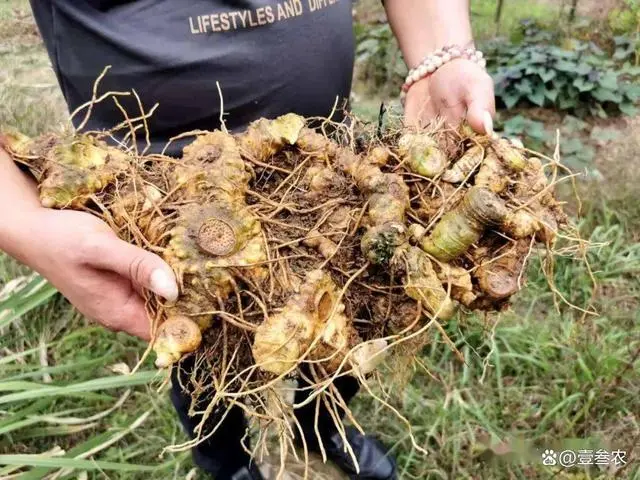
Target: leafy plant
[
  {"x": 578, "y": 140},
  {"x": 378, "y": 56},
  {"x": 536, "y": 135},
  {"x": 579, "y": 78},
  {"x": 626, "y": 17}
]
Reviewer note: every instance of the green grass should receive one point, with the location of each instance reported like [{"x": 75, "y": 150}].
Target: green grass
[
  {"x": 545, "y": 377},
  {"x": 483, "y": 13},
  {"x": 58, "y": 389}
]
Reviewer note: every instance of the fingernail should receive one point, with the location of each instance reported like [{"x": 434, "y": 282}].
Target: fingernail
[
  {"x": 488, "y": 124},
  {"x": 164, "y": 285}
]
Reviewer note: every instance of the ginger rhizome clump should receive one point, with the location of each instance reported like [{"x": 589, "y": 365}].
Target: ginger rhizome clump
[{"x": 305, "y": 257}]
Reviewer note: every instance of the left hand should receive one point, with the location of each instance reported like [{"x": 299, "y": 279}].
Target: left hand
[{"x": 459, "y": 89}]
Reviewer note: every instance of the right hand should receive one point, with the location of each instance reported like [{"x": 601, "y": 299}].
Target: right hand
[{"x": 101, "y": 275}]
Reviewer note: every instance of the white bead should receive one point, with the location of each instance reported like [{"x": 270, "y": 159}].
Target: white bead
[
  {"x": 437, "y": 62},
  {"x": 479, "y": 54},
  {"x": 482, "y": 63},
  {"x": 415, "y": 77},
  {"x": 431, "y": 68},
  {"x": 422, "y": 71},
  {"x": 454, "y": 52},
  {"x": 446, "y": 58}
]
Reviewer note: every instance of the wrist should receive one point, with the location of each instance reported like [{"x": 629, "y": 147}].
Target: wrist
[
  {"x": 21, "y": 235},
  {"x": 418, "y": 55},
  {"x": 441, "y": 58}
]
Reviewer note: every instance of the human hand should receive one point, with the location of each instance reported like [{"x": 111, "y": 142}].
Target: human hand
[
  {"x": 101, "y": 275},
  {"x": 459, "y": 89}
]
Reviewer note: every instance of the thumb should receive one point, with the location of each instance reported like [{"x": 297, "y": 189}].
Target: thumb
[
  {"x": 481, "y": 108},
  {"x": 143, "y": 268}
]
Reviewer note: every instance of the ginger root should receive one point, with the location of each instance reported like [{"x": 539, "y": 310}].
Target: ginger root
[
  {"x": 492, "y": 174},
  {"x": 77, "y": 168},
  {"x": 422, "y": 154},
  {"x": 460, "y": 228},
  {"x": 498, "y": 277},
  {"x": 463, "y": 167},
  {"x": 509, "y": 155},
  {"x": 176, "y": 336},
  {"x": 422, "y": 283},
  {"x": 312, "y": 319},
  {"x": 264, "y": 138},
  {"x": 388, "y": 200}
]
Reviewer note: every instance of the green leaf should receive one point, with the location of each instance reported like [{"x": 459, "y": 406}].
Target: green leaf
[
  {"x": 628, "y": 109},
  {"x": 537, "y": 96},
  {"x": 524, "y": 87},
  {"x": 621, "y": 40},
  {"x": 583, "y": 85},
  {"x": 609, "y": 81},
  {"x": 565, "y": 66},
  {"x": 632, "y": 92},
  {"x": 533, "y": 70},
  {"x": 572, "y": 145},
  {"x": 547, "y": 74},
  {"x": 596, "y": 49},
  {"x": 538, "y": 57},
  {"x": 583, "y": 68},
  {"x": 63, "y": 368},
  {"x": 559, "y": 82},
  {"x": 597, "y": 111},
  {"x": 551, "y": 94},
  {"x": 606, "y": 95},
  {"x": 573, "y": 124},
  {"x": 515, "y": 125},
  {"x": 61, "y": 462},
  {"x": 120, "y": 381},
  {"x": 566, "y": 102},
  {"x": 510, "y": 99},
  {"x": 604, "y": 135},
  {"x": 37, "y": 292}
]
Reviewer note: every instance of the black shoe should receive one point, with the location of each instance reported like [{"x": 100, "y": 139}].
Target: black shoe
[
  {"x": 374, "y": 461},
  {"x": 247, "y": 473}
]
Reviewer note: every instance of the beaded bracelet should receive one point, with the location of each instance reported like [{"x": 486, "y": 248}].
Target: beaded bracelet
[{"x": 433, "y": 62}]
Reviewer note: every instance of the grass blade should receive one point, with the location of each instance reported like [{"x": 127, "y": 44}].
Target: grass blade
[
  {"x": 74, "y": 463},
  {"x": 37, "y": 292},
  {"x": 105, "y": 383}
]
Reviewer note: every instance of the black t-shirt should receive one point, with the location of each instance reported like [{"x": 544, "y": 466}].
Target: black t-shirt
[{"x": 270, "y": 57}]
